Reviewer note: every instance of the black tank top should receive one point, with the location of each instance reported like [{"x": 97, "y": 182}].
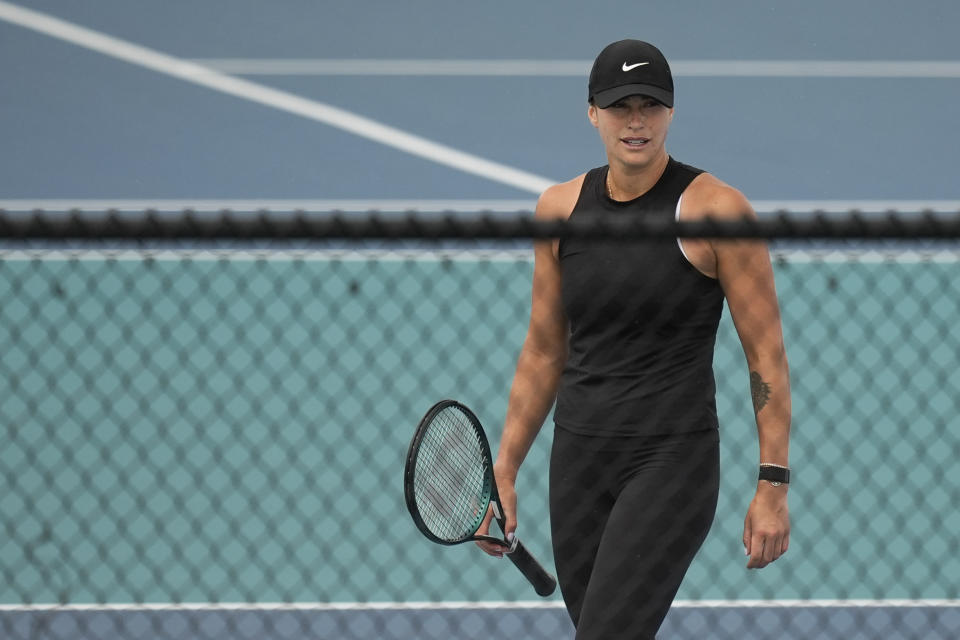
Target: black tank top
[{"x": 643, "y": 323}]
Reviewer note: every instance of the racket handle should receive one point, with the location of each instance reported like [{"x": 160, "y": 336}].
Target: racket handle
[{"x": 543, "y": 583}]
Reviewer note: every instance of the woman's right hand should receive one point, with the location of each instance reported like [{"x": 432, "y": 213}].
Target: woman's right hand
[{"x": 508, "y": 500}]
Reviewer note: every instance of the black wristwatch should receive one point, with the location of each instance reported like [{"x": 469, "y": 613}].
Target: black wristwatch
[{"x": 774, "y": 474}]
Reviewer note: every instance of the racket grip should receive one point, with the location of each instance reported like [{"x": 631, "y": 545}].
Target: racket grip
[{"x": 543, "y": 583}]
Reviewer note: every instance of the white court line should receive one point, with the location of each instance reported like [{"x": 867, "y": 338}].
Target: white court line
[
  {"x": 427, "y": 205},
  {"x": 315, "y": 205},
  {"x": 386, "y": 253},
  {"x": 581, "y": 68},
  {"x": 443, "y": 606},
  {"x": 244, "y": 255},
  {"x": 867, "y": 206},
  {"x": 284, "y": 101}
]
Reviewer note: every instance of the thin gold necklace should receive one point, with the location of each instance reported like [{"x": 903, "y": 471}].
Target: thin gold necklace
[{"x": 609, "y": 188}]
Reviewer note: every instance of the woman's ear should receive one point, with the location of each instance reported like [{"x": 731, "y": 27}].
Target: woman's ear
[{"x": 592, "y": 115}]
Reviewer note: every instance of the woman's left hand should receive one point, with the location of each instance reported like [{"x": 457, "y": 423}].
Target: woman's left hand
[{"x": 766, "y": 530}]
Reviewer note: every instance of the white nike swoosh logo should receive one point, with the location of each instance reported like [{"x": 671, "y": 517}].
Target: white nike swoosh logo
[{"x": 633, "y": 66}]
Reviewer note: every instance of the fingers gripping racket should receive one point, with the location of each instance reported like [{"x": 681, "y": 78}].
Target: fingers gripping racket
[{"x": 448, "y": 484}]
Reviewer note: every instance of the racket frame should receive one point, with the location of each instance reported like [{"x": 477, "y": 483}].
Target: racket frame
[{"x": 489, "y": 485}]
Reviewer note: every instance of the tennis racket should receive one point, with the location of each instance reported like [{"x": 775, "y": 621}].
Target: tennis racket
[{"x": 448, "y": 484}]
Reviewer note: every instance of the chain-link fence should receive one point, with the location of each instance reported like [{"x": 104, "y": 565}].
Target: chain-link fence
[{"x": 208, "y": 442}]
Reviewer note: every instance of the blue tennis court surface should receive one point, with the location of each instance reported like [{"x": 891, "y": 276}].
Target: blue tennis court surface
[
  {"x": 802, "y": 105},
  {"x": 79, "y": 124}
]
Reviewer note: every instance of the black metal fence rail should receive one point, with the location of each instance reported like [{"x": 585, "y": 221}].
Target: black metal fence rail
[{"x": 112, "y": 224}]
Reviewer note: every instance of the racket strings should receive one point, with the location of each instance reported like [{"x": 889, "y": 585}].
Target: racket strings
[
  {"x": 453, "y": 492},
  {"x": 451, "y": 478}
]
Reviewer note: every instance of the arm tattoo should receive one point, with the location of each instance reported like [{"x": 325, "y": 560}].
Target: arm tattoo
[{"x": 759, "y": 391}]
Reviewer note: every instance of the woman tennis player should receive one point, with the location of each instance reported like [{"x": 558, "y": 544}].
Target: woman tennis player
[{"x": 621, "y": 337}]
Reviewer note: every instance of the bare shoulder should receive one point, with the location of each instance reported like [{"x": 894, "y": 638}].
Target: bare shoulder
[
  {"x": 558, "y": 201},
  {"x": 707, "y": 195}
]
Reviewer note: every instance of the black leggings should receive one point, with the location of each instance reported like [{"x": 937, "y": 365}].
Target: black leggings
[{"x": 627, "y": 516}]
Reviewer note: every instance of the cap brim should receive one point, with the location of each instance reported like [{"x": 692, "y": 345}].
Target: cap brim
[{"x": 604, "y": 99}]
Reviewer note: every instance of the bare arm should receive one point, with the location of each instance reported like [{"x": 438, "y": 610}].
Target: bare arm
[
  {"x": 744, "y": 270},
  {"x": 746, "y": 276},
  {"x": 539, "y": 365}
]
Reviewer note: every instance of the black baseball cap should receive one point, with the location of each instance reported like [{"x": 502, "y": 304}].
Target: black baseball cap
[{"x": 629, "y": 68}]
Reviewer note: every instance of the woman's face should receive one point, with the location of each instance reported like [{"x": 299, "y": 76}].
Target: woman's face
[{"x": 633, "y": 130}]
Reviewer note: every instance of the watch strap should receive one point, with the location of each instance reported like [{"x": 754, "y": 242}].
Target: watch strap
[{"x": 774, "y": 474}]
